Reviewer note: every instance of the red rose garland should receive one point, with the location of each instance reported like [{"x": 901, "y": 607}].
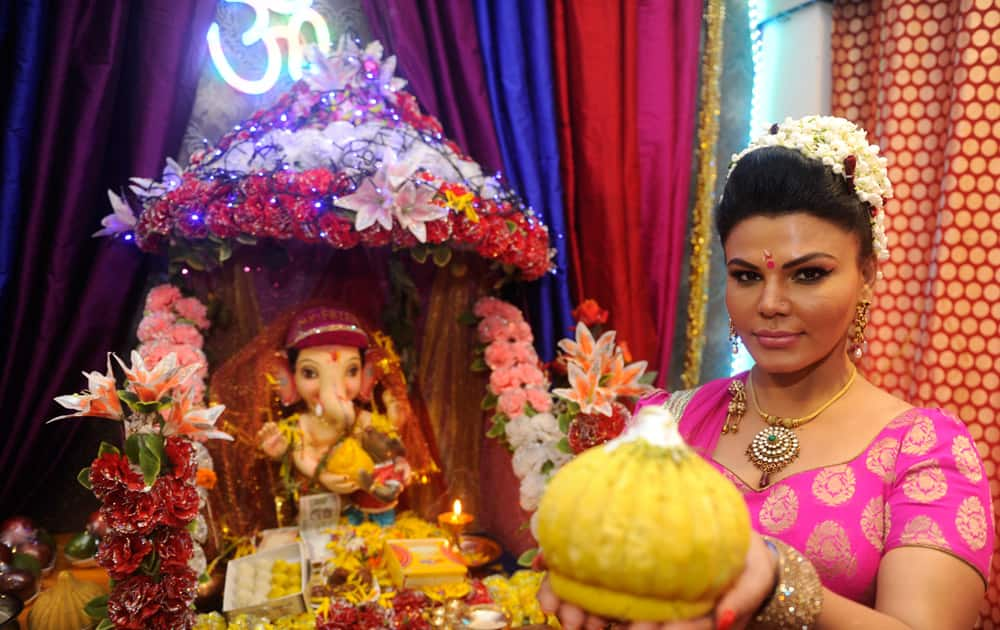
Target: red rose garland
[
  {"x": 148, "y": 493},
  {"x": 149, "y": 546}
]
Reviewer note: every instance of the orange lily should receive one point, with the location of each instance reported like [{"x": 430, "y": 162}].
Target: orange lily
[
  {"x": 623, "y": 380},
  {"x": 585, "y": 351},
  {"x": 183, "y": 418},
  {"x": 99, "y": 400},
  {"x": 153, "y": 385},
  {"x": 585, "y": 390}
]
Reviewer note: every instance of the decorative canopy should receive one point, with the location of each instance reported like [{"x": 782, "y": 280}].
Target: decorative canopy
[{"x": 346, "y": 158}]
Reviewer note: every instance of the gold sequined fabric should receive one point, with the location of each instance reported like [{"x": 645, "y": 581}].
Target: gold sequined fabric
[{"x": 798, "y": 597}]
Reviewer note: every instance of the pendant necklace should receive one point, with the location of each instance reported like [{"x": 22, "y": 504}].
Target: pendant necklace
[{"x": 777, "y": 446}]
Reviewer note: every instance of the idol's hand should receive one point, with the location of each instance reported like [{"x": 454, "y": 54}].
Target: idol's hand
[
  {"x": 271, "y": 441},
  {"x": 339, "y": 484},
  {"x": 404, "y": 469}
]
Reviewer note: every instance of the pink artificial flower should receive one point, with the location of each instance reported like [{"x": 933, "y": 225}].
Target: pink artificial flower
[
  {"x": 154, "y": 351},
  {"x": 491, "y": 328},
  {"x": 192, "y": 310},
  {"x": 525, "y": 353},
  {"x": 155, "y": 325},
  {"x": 496, "y": 328},
  {"x": 539, "y": 399},
  {"x": 529, "y": 374},
  {"x": 512, "y": 401},
  {"x": 162, "y": 297},
  {"x": 503, "y": 379},
  {"x": 521, "y": 331},
  {"x": 501, "y": 354},
  {"x": 187, "y": 335},
  {"x": 492, "y": 307}
]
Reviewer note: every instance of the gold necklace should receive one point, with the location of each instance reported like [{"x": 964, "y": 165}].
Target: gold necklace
[{"x": 777, "y": 446}]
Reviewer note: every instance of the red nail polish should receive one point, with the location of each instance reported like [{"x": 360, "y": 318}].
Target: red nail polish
[
  {"x": 538, "y": 562},
  {"x": 726, "y": 619}
]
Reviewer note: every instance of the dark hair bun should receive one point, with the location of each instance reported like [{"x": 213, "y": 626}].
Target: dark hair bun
[{"x": 774, "y": 181}]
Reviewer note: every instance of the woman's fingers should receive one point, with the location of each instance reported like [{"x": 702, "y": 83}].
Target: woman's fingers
[
  {"x": 751, "y": 590},
  {"x": 571, "y": 617},
  {"x": 547, "y": 600},
  {"x": 701, "y": 623}
]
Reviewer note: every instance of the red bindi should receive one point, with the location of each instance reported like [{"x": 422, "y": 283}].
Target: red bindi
[{"x": 768, "y": 259}]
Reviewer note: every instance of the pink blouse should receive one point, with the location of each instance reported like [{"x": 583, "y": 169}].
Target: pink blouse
[{"x": 920, "y": 482}]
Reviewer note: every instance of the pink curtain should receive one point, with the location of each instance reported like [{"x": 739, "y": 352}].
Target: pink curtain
[{"x": 669, "y": 34}]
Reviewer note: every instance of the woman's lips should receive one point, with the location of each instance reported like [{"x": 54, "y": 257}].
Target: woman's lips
[{"x": 776, "y": 340}]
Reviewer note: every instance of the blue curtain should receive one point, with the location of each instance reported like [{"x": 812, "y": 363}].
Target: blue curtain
[
  {"x": 22, "y": 35},
  {"x": 516, "y": 50}
]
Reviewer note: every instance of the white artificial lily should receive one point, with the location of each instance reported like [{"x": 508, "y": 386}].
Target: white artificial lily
[{"x": 122, "y": 219}]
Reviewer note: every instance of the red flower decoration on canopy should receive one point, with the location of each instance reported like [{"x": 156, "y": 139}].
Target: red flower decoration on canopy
[{"x": 343, "y": 158}]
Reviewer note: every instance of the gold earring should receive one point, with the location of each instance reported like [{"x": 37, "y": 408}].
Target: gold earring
[
  {"x": 733, "y": 338},
  {"x": 858, "y": 344}
]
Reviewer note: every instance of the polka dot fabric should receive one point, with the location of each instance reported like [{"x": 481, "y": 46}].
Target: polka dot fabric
[{"x": 922, "y": 76}]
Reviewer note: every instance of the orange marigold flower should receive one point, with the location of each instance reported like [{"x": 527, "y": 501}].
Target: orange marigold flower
[{"x": 205, "y": 477}]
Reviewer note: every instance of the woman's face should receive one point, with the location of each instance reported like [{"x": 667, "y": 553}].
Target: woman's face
[{"x": 793, "y": 285}]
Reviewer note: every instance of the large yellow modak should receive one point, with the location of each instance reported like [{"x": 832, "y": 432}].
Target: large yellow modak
[{"x": 642, "y": 528}]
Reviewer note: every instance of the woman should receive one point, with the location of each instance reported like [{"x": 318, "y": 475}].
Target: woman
[{"x": 888, "y": 504}]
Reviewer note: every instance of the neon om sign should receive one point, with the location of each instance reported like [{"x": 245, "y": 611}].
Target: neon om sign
[{"x": 298, "y": 13}]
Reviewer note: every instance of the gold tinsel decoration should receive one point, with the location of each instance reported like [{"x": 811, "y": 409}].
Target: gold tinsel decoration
[{"x": 701, "y": 219}]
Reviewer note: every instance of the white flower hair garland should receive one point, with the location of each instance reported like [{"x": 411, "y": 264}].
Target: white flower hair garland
[{"x": 842, "y": 146}]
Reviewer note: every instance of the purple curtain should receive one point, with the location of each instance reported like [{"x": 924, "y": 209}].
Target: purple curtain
[
  {"x": 117, "y": 89},
  {"x": 437, "y": 47}
]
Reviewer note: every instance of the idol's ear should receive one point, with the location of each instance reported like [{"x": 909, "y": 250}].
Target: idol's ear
[
  {"x": 281, "y": 377},
  {"x": 370, "y": 373}
]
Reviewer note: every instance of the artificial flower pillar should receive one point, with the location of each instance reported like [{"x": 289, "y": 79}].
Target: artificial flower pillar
[{"x": 148, "y": 491}]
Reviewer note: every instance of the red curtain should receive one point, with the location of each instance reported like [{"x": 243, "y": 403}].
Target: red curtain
[
  {"x": 922, "y": 77},
  {"x": 595, "y": 48}
]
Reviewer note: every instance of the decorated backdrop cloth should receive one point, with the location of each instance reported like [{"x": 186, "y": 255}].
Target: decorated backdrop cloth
[
  {"x": 453, "y": 392},
  {"x": 919, "y": 482},
  {"x": 117, "y": 81},
  {"x": 923, "y": 77}
]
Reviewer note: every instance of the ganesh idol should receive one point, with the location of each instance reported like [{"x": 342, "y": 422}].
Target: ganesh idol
[{"x": 337, "y": 417}]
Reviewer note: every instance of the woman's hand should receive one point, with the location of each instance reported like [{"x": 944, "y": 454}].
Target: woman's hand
[
  {"x": 271, "y": 441},
  {"x": 571, "y": 617},
  {"x": 734, "y": 610}
]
